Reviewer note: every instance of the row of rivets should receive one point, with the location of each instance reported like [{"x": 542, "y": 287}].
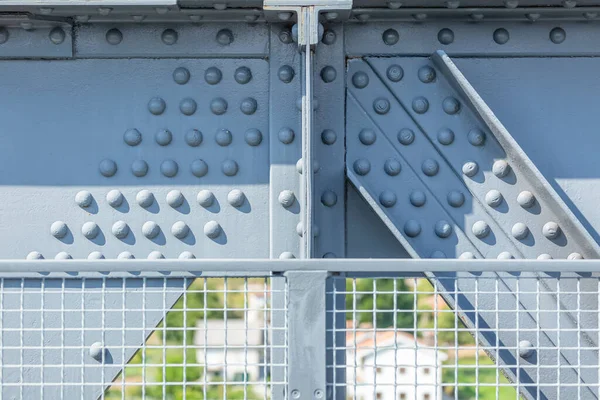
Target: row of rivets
[
  {"x": 120, "y": 229},
  {"x": 57, "y": 35},
  {"x": 188, "y": 106},
  {"x": 212, "y": 75},
  {"x": 96, "y": 255},
  {"x": 169, "y": 37},
  {"x": 168, "y": 168},
  {"x": 174, "y": 198},
  {"x": 445, "y": 36},
  {"x": 193, "y": 137}
]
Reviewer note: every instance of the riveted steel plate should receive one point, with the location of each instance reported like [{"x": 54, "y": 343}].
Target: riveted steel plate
[{"x": 105, "y": 157}]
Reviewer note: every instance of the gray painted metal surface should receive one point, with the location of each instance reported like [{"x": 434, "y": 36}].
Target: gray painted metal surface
[{"x": 89, "y": 170}]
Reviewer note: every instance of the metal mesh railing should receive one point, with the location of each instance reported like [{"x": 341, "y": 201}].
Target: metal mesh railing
[
  {"x": 402, "y": 341},
  {"x": 217, "y": 342}
]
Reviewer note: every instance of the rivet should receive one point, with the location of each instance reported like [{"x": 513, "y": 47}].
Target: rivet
[
  {"x": 360, "y": 80},
  {"x": 381, "y": 106},
  {"x": 35, "y": 255},
  {"x": 82, "y": 18},
  {"x": 90, "y": 230},
  {"x": 394, "y": 5},
  {"x": 558, "y": 35},
  {"x": 328, "y": 74},
  {"x": 139, "y": 168},
  {"x": 287, "y": 255},
  {"x": 533, "y": 16},
  {"x": 480, "y": 229},
  {"x": 574, "y": 256},
  {"x": 500, "y": 168},
  {"x": 328, "y": 137},
  {"x": 169, "y": 168},
  {"x": 452, "y": 4},
  {"x": 476, "y": 17},
  {"x": 242, "y": 75},
  {"x": 224, "y": 37},
  {"x": 205, "y": 198},
  {"x": 390, "y": 37},
  {"x": 395, "y": 73},
  {"x": 125, "y": 255},
  {"x": 285, "y": 36},
  {"x": 406, "y": 136},
  {"x": 157, "y": 106},
  {"x": 526, "y": 199},
  {"x": 551, "y": 230},
  {"x": 470, "y": 168},
  {"x": 590, "y": 15},
  {"x": 295, "y": 392},
  {"x": 150, "y": 229},
  {"x": 438, "y": 254},
  {"x": 114, "y": 36},
  {"x": 467, "y": 255},
  {"x": 236, "y": 198},
  {"x": 455, "y": 198},
  {"x": 132, "y": 137},
  {"x": 526, "y": 349},
  {"x": 392, "y": 167},
  {"x": 443, "y": 229},
  {"x": 84, "y": 199},
  {"x": 367, "y": 137},
  {"x": 104, "y": 11},
  {"x": 120, "y": 229},
  {"x": 300, "y": 230},
  {"x": 229, "y": 167},
  {"x": 144, "y": 198},
  {"x": 163, "y": 137},
  {"x": 450, "y": 105},
  {"x": 363, "y": 17},
  {"x": 426, "y": 74},
  {"x": 180, "y": 230},
  {"x": 248, "y": 106},
  {"x": 199, "y": 168},
  {"x": 253, "y": 137},
  {"x": 213, "y": 75},
  {"x": 520, "y": 231},
  {"x": 212, "y": 229},
  {"x": 193, "y": 137},
  {"x": 138, "y": 18},
  {"x": 445, "y": 136},
  {"x": 169, "y": 37},
  {"x": 187, "y": 106},
  {"x": 95, "y": 255},
  {"x": 446, "y": 36},
  {"x": 387, "y": 198},
  {"x": 4, "y": 35},
  {"x": 59, "y": 229},
  {"x": 329, "y": 37},
  {"x": 63, "y": 255},
  {"x": 412, "y": 228},
  {"x": 223, "y": 137},
  {"x": 300, "y": 166},
  {"x": 286, "y": 198},
  {"x": 155, "y": 255},
  {"x": 420, "y": 105},
  {"x": 97, "y": 351},
  {"x": 493, "y": 198},
  {"x": 286, "y": 135},
  {"x": 501, "y": 36},
  {"x": 27, "y": 25},
  {"x": 362, "y": 166},
  {"x": 544, "y": 256},
  {"x": 284, "y": 16},
  {"x": 430, "y": 167},
  {"x": 57, "y": 35},
  {"x": 115, "y": 198},
  {"x": 417, "y": 198},
  {"x": 46, "y": 10},
  {"x": 186, "y": 255},
  {"x": 329, "y": 255},
  {"x": 175, "y": 198},
  {"x": 420, "y": 16},
  {"x": 181, "y": 75},
  {"x": 329, "y": 198},
  {"x": 511, "y": 3},
  {"x": 108, "y": 167},
  {"x": 286, "y": 74},
  {"x": 476, "y": 137},
  {"x": 218, "y": 106},
  {"x": 505, "y": 255}
]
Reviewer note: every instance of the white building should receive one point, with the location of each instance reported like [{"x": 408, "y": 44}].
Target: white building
[
  {"x": 234, "y": 350},
  {"x": 388, "y": 365}
]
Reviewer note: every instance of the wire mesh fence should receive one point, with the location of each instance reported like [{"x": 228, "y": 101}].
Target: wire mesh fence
[{"x": 403, "y": 341}]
